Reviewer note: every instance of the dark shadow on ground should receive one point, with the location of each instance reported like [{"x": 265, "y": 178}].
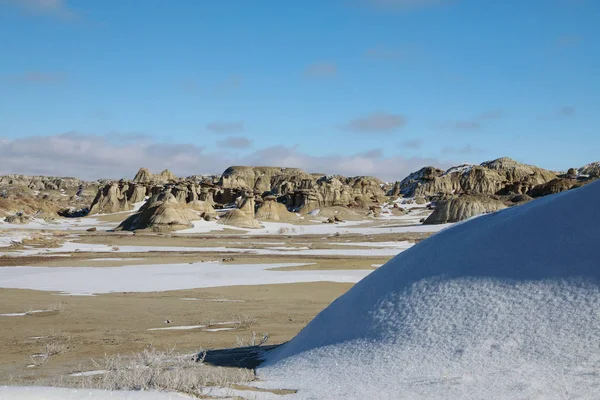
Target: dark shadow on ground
[{"x": 239, "y": 357}]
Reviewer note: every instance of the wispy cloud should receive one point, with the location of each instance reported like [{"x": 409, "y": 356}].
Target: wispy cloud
[
  {"x": 403, "y": 5},
  {"x": 568, "y": 40},
  {"x": 189, "y": 85},
  {"x": 494, "y": 114},
  {"x": 385, "y": 53},
  {"x": 53, "y": 8},
  {"x": 322, "y": 69},
  {"x": 95, "y": 156},
  {"x": 562, "y": 112},
  {"x": 237, "y": 142},
  {"x": 230, "y": 84},
  {"x": 459, "y": 125},
  {"x": 376, "y": 123},
  {"x": 566, "y": 111},
  {"x": 411, "y": 144},
  {"x": 473, "y": 124},
  {"x": 38, "y": 77},
  {"x": 226, "y": 127},
  {"x": 464, "y": 150}
]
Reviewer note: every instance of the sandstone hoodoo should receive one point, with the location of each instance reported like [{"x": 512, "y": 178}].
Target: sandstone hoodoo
[
  {"x": 243, "y": 216},
  {"x": 111, "y": 198},
  {"x": 463, "y": 207},
  {"x": 162, "y": 213},
  {"x": 145, "y": 176},
  {"x": 271, "y": 210}
]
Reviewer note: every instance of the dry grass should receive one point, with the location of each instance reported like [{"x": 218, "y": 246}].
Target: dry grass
[
  {"x": 253, "y": 341},
  {"x": 50, "y": 349},
  {"x": 153, "y": 369}
]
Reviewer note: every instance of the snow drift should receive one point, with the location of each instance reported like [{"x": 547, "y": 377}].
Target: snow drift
[{"x": 504, "y": 306}]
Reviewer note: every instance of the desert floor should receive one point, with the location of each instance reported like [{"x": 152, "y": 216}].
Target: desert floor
[{"x": 62, "y": 287}]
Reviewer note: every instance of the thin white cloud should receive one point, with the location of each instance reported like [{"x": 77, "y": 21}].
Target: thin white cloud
[
  {"x": 464, "y": 150},
  {"x": 379, "y": 122},
  {"x": 473, "y": 124},
  {"x": 38, "y": 77},
  {"x": 404, "y": 5},
  {"x": 236, "y": 142},
  {"x": 385, "y": 53},
  {"x": 53, "y": 8},
  {"x": 322, "y": 69},
  {"x": 561, "y": 113},
  {"x": 226, "y": 127},
  {"x": 411, "y": 144},
  {"x": 568, "y": 40},
  {"x": 93, "y": 156}
]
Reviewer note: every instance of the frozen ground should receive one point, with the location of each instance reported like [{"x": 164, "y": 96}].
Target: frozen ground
[
  {"x": 402, "y": 225},
  {"x": 60, "y": 224},
  {"x": 52, "y": 393},
  {"x": 154, "y": 278},
  {"x": 72, "y": 247},
  {"x": 504, "y": 306}
]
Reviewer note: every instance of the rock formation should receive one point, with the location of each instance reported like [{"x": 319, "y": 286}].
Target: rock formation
[
  {"x": 271, "y": 210},
  {"x": 591, "y": 170},
  {"x": 162, "y": 213},
  {"x": 111, "y": 198},
  {"x": 145, "y": 176},
  {"x": 460, "y": 208},
  {"x": 243, "y": 216},
  {"x": 500, "y": 176},
  {"x": 556, "y": 185}
]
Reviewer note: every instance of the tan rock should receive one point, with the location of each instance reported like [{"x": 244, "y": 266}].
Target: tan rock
[
  {"x": 460, "y": 208},
  {"x": 271, "y": 210}
]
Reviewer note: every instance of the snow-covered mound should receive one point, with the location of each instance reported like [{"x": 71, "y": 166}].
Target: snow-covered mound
[{"x": 504, "y": 306}]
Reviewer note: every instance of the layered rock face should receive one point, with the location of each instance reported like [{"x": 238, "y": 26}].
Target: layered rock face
[
  {"x": 162, "y": 213},
  {"x": 463, "y": 207},
  {"x": 243, "y": 216},
  {"x": 122, "y": 195},
  {"x": 145, "y": 176},
  {"x": 500, "y": 176},
  {"x": 271, "y": 210},
  {"x": 592, "y": 170},
  {"x": 44, "y": 196}
]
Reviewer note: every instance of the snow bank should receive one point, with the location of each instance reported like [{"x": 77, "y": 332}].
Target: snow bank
[
  {"x": 162, "y": 277},
  {"x": 53, "y": 393},
  {"x": 504, "y": 306}
]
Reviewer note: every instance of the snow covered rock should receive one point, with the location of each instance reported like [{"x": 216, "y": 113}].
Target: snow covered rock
[{"x": 504, "y": 306}]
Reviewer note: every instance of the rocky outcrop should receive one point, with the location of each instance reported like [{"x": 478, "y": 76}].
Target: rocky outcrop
[
  {"x": 556, "y": 185},
  {"x": 145, "y": 176},
  {"x": 500, "y": 176},
  {"x": 591, "y": 170},
  {"x": 162, "y": 213},
  {"x": 243, "y": 216},
  {"x": 460, "y": 208},
  {"x": 111, "y": 198},
  {"x": 43, "y": 194},
  {"x": 271, "y": 210}
]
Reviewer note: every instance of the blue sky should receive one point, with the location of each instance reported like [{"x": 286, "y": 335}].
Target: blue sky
[{"x": 379, "y": 87}]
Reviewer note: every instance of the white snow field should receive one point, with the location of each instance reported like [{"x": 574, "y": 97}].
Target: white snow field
[
  {"x": 162, "y": 277},
  {"x": 504, "y": 306},
  {"x": 53, "y": 393},
  {"x": 72, "y": 247}
]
